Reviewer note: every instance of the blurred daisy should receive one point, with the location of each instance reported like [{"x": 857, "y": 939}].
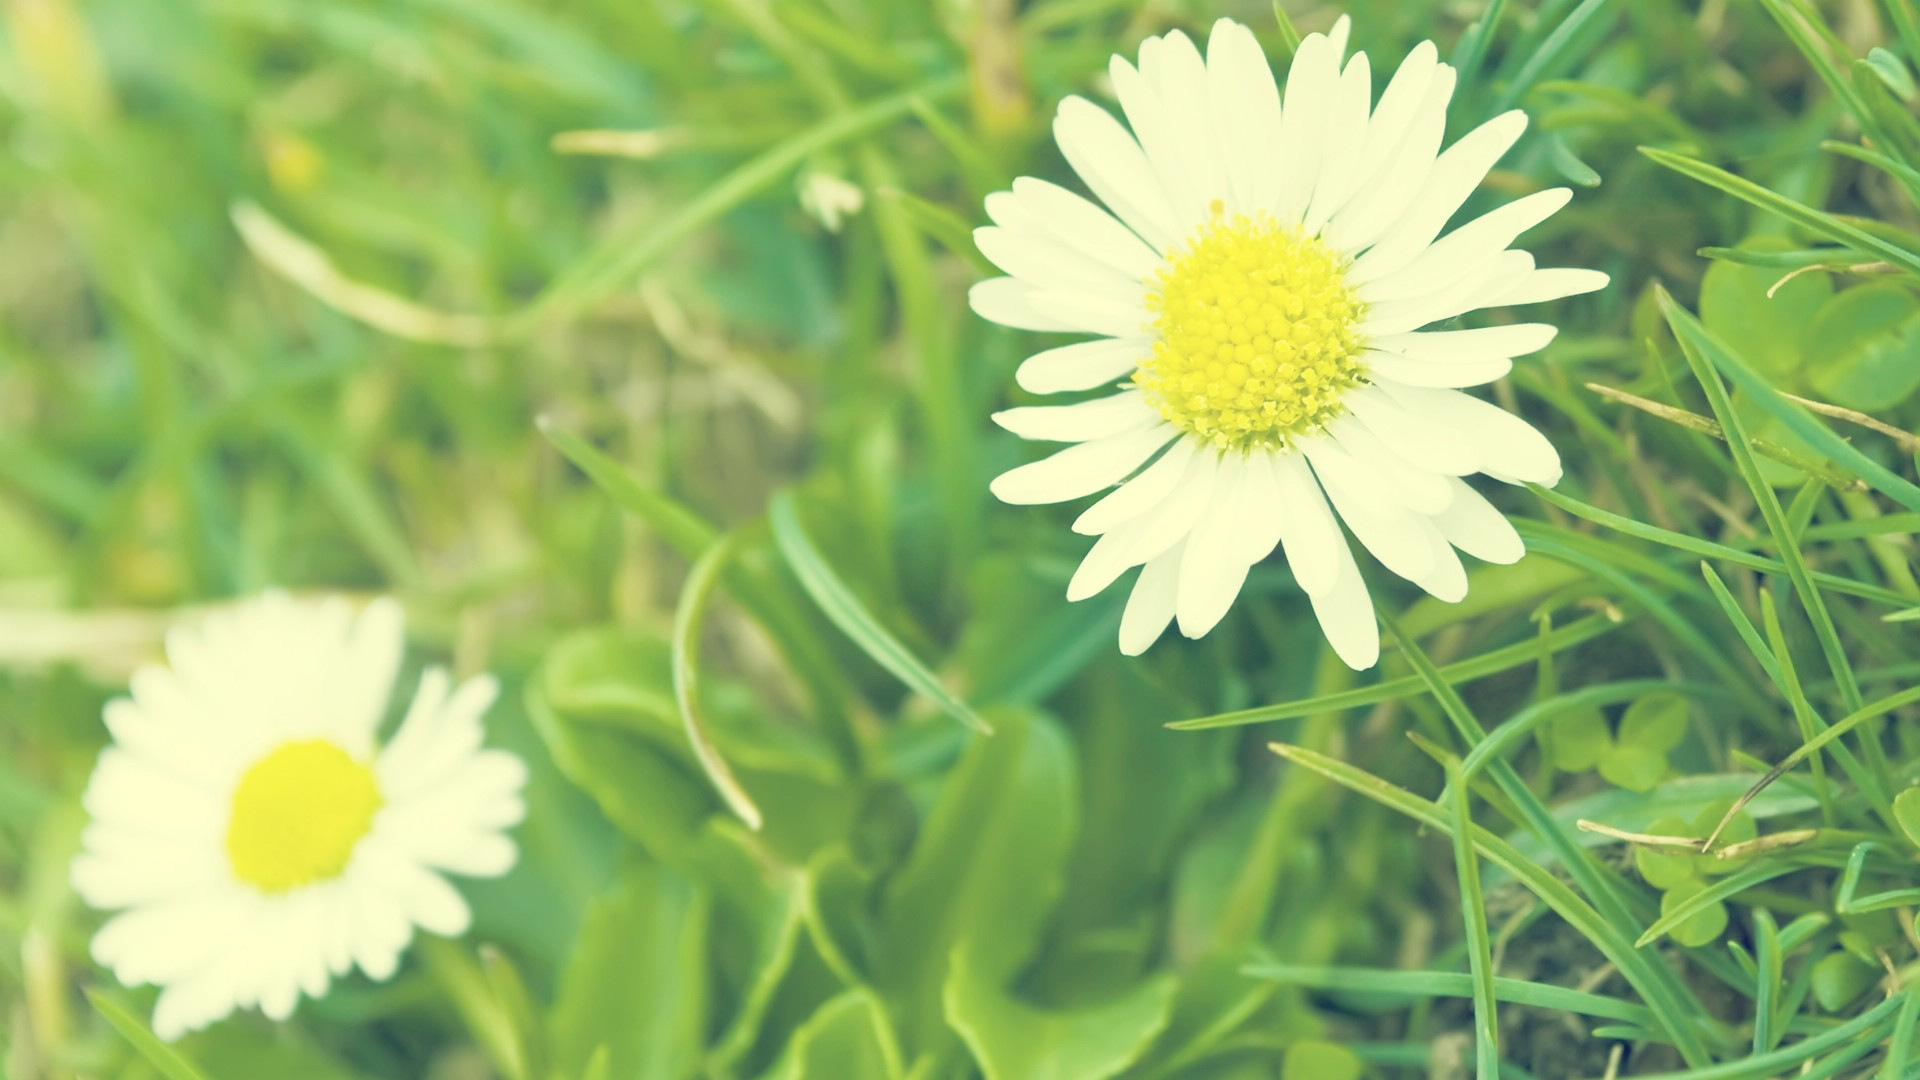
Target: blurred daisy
[
  {"x": 253, "y": 836},
  {"x": 1259, "y": 280}
]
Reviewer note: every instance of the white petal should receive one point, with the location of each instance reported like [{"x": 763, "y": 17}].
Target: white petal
[
  {"x": 1447, "y": 580},
  {"x": 1110, "y": 556},
  {"x": 1081, "y": 422},
  {"x": 1309, "y": 536},
  {"x": 1142, "y": 493},
  {"x": 1303, "y": 125},
  {"x": 1476, "y": 527},
  {"x": 1386, "y": 191},
  {"x": 1080, "y": 470},
  {"x": 1114, "y": 168},
  {"x": 1079, "y": 224},
  {"x": 1427, "y": 373},
  {"x": 1456, "y": 173},
  {"x": 1082, "y": 366},
  {"x": 1393, "y": 118},
  {"x": 1346, "y": 141},
  {"x": 1413, "y": 435},
  {"x": 1038, "y": 259},
  {"x": 1463, "y": 248},
  {"x": 1262, "y": 510},
  {"x": 1552, "y": 283},
  {"x": 1246, "y": 111},
  {"x": 1012, "y": 302},
  {"x": 1337, "y": 37},
  {"x": 1185, "y": 91},
  {"x": 1476, "y": 288},
  {"x": 1211, "y": 573},
  {"x": 1173, "y": 519},
  {"x": 1491, "y": 341},
  {"x": 1345, "y": 612},
  {"x": 1154, "y": 124},
  {"x": 1150, "y": 606},
  {"x": 1509, "y": 443},
  {"x": 1366, "y": 503},
  {"x": 1412, "y": 484}
]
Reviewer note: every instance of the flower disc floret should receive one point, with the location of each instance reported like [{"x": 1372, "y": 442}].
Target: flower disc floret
[
  {"x": 298, "y": 814},
  {"x": 1257, "y": 334}
]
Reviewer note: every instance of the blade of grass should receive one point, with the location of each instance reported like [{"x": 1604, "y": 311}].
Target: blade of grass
[
  {"x": 844, "y": 609},
  {"x": 680, "y": 527},
  {"x": 1654, "y": 981},
  {"x": 1492, "y": 662},
  {"x": 1694, "y": 338},
  {"x": 169, "y": 1062},
  {"x": 1743, "y": 625},
  {"x": 1708, "y": 548},
  {"x": 1473, "y": 913},
  {"x": 1452, "y": 984},
  {"x": 688, "y": 619},
  {"x": 1670, "y": 1011},
  {"x": 1807, "y": 217},
  {"x": 1553, "y": 52}
]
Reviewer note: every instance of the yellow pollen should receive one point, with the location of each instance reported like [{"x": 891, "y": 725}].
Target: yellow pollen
[
  {"x": 298, "y": 814},
  {"x": 1258, "y": 334}
]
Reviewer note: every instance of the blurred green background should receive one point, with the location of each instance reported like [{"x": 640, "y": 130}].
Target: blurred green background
[{"x": 288, "y": 289}]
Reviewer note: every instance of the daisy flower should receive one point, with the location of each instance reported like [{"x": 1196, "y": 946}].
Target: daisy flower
[
  {"x": 1258, "y": 280},
  {"x": 254, "y": 837}
]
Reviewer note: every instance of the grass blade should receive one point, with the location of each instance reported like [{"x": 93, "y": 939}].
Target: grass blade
[
  {"x": 688, "y": 619},
  {"x": 170, "y": 1062},
  {"x": 1473, "y": 913},
  {"x": 846, "y": 612},
  {"x": 681, "y": 528},
  {"x": 1453, "y": 984},
  {"x": 1492, "y": 662}
]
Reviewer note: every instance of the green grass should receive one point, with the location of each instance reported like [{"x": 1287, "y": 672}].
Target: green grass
[{"x": 336, "y": 295}]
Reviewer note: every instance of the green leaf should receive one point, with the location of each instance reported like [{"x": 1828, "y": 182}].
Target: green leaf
[
  {"x": 678, "y": 526},
  {"x": 846, "y": 611},
  {"x": 1867, "y": 245},
  {"x": 1580, "y": 739},
  {"x": 1013, "y": 1040},
  {"x": 1841, "y": 977},
  {"x": 1742, "y": 306},
  {"x": 1312, "y": 1059},
  {"x": 636, "y": 988},
  {"x": 989, "y": 865},
  {"x": 1863, "y": 347},
  {"x": 1906, "y": 810},
  {"x": 849, "y": 1038},
  {"x": 1635, "y": 768},
  {"x": 1656, "y": 722},
  {"x": 1662, "y": 869},
  {"x": 1703, "y": 926},
  {"x": 171, "y": 1063},
  {"x": 1473, "y": 909}
]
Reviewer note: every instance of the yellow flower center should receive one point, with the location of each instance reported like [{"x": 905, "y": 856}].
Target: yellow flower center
[
  {"x": 1258, "y": 334},
  {"x": 298, "y": 814}
]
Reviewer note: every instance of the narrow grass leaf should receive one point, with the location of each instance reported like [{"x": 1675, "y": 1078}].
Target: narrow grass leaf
[
  {"x": 170, "y": 1063},
  {"x": 1453, "y": 984},
  {"x": 846, "y": 611},
  {"x": 689, "y": 618},
  {"x": 1473, "y": 913}
]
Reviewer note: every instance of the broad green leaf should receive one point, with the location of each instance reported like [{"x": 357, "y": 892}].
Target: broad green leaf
[
  {"x": 637, "y": 986},
  {"x": 1906, "y": 810},
  {"x": 1664, "y": 869},
  {"x": 1312, "y": 1059},
  {"x": 849, "y": 1038},
  {"x": 1743, "y": 307},
  {"x": 1841, "y": 977},
  {"x": 1635, "y": 768},
  {"x": 1863, "y": 347},
  {"x": 1580, "y": 739},
  {"x": 1013, "y": 1040},
  {"x": 1703, "y": 926},
  {"x": 1656, "y": 722},
  {"x": 987, "y": 869}
]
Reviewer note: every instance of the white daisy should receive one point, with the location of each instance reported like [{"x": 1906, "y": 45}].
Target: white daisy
[
  {"x": 1258, "y": 281},
  {"x": 254, "y": 837}
]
